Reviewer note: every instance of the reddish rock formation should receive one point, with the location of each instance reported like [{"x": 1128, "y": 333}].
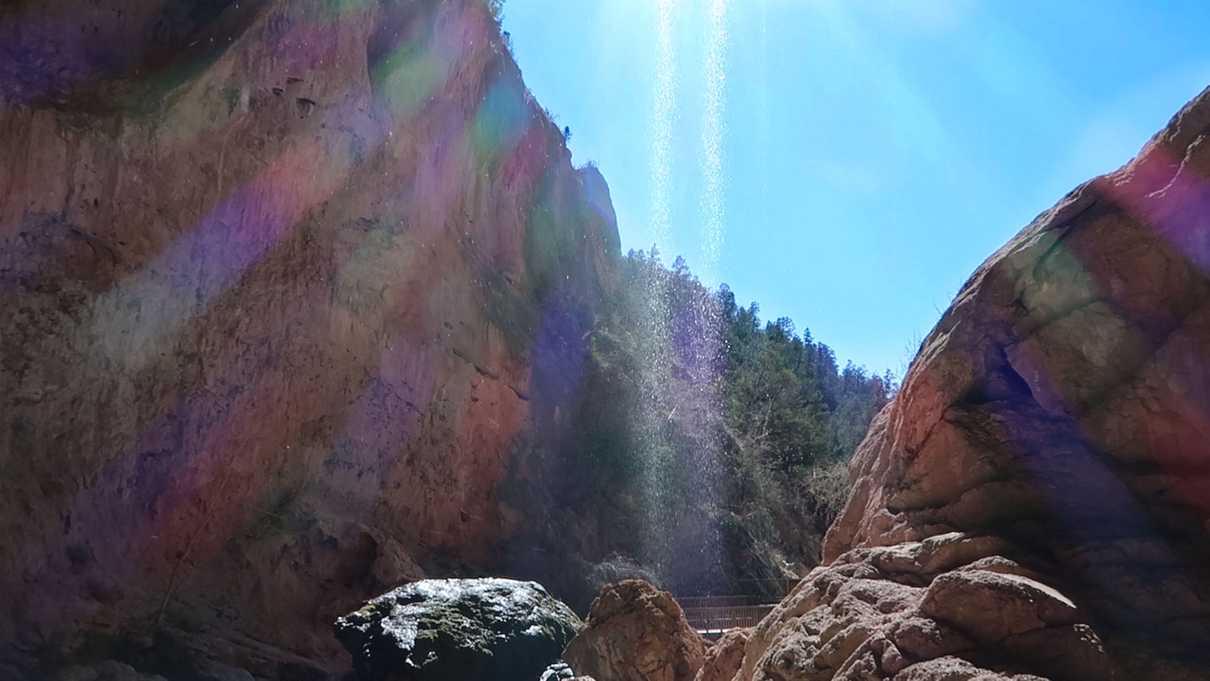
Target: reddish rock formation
[
  {"x": 274, "y": 278},
  {"x": 1034, "y": 503},
  {"x": 635, "y": 632},
  {"x": 725, "y": 657}
]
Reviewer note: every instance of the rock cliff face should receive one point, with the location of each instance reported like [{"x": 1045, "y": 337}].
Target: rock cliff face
[
  {"x": 1035, "y": 501},
  {"x": 281, "y": 284}
]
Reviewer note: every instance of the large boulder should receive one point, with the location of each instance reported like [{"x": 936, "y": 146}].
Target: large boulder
[
  {"x": 466, "y": 629},
  {"x": 725, "y": 657},
  {"x": 882, "y": 613},
  {"x": 636, "y": 632},
  {"x": 1034, "y": 503}
]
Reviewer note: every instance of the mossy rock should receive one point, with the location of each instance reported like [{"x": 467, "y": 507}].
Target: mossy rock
[{"x": 489, "y": 629}]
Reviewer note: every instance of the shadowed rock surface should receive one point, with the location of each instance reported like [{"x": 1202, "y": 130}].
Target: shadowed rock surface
[
  {"x": 439, "y": 629},
  {"x": 274, "y": 280},
  {"x": 1034, "y": 503},
  {"x": 636, "y": 632}
]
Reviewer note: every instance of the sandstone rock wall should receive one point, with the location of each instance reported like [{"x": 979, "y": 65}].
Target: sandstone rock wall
[
  {"x": 1034, "y": 502},
  {"x": 636, "y": 632},
  {"x": 274, "y": 278}
]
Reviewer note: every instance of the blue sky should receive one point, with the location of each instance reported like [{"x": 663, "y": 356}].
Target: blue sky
[{"x": 848, "y": 163}]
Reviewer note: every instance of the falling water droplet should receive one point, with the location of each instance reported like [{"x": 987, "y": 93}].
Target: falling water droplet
[
  {"x": 662, "y": 117},
  {"x": 713, "y": 135}
]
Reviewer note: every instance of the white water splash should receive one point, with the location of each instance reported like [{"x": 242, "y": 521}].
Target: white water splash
[
  {"x": 713, "y": 135},
  {"x": 654, "y": 337},
  {"x": 662, "y": 119}
]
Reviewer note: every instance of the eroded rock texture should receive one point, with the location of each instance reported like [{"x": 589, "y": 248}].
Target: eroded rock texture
[
  {"x": 725, "y": 657},
  {"x": 636, "y": 632},
  {"x": 281, "y": 284},
  {"x": 1034, "y": 503}
]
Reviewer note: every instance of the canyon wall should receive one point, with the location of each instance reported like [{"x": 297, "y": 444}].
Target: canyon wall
[
  {"x": 282, "y": 284},
  {"x": 1035, "y": 502}
]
